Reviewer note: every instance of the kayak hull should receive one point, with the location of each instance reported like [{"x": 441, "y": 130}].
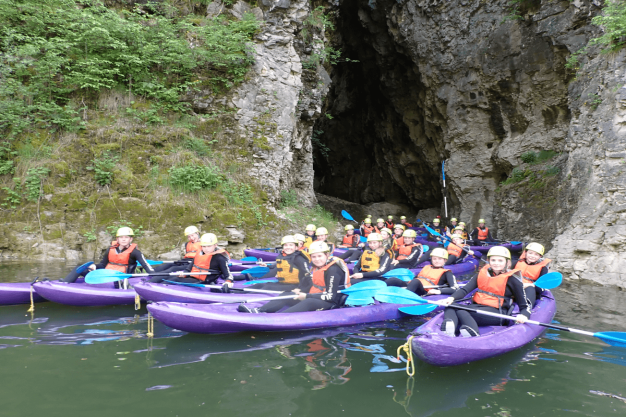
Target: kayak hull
[
  {"x": 184, "y": 294},
  {"x": 82, "y": 294},
  {"x": 434, "y": 347},
  {"x": 17, "y": 293},
  {"x": 209, "y": 318}
]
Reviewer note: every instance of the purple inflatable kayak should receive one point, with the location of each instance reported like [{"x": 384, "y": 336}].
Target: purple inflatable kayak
[
  {"x": 81, "y": 294},
  {"x": 271, "y": 256},
  {"x": 210, "y": 318},
  {"x": 186, "y": 294},
  {"x": 17, "y": 293},
  {"x": 436, "y": 348}
]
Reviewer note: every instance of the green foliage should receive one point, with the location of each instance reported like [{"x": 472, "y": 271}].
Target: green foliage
[
  {"x": 613, "y": 21},
  {"x": 13, "y": 196},
  {"x": 529, "y": 157},
  {"x": 90, "y": 236},
  {"x": 316, "y": 20},
  {"x": 288, "y": 198},
  {"x": 6, "y": 162},
  {"x": 318, "y": 145},
  {"x": 552, "y": 170},
  {"x": 199, "y": 146},
  {"x": 52, "y": 51},
  {"x": 534, "y": 158},
  {"x": 593, "y": 101},
  {"x": 32, "y": 183},
  {"x": 193, "y": 178},
  {"x": 103, "y": 168},
  {"x": 517, "y": 175},
  {"x": 518, "y": 7}
]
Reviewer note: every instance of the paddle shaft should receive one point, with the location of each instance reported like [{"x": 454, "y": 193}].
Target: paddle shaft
[
  {"x": 286, "y": 297},
  {"x": 434, "y": 232}
]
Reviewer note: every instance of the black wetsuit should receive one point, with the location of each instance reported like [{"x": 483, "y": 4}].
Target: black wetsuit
[
  {"x": 136, "y": 257},
  {"x": 474, "y": 236},
  {"x": 452, "y": 259},
  {"x": 334, "y": 278},
  {"x": 384, "y": 266},
  {"x": 514, "y": 289},
  {"x": 417, "y": 287},
  {"x": 411, "y": 260},
  {"x": 218, "y": 268},
  {"x": 353, "y": 254},
  {"x": 299, "y": 262}
]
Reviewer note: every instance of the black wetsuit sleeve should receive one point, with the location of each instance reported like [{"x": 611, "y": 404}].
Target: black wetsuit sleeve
[
  {"x": 357, "y": 266},
  {"x": 104, "y": 262},
  {"x": 474, "y": 234},
  {"x": 416, "y": 252},
  {"x": 449, "y": 279},
  {"x": 304, "y": 276},
  {"x": 452, "y": 259},
  {"x": 334, "y": 278},
  {"x": 222, "y": 266},
  {"x": 385, "y": 264},
  {"x": 137, "y": 257},
  {"x": 516, "y": 287}
]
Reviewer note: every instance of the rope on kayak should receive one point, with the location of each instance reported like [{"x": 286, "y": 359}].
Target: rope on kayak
[
  {"x": 137, "y": 302},
  {"x": 408, "y": 349},
  {"x": 32, "y": 302},
  {"x": 150, "y": 325}
]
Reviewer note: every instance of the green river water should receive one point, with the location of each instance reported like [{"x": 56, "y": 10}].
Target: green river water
[{"x": 70, "y": 361}]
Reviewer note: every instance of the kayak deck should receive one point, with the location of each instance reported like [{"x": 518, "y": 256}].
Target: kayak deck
[
  {"x": 81, "y": 294},
  {"x": 17, "y": 293}
]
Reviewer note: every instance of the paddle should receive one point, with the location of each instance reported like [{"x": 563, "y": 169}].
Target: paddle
[
  {"x": 347, "y": 216},
  {"x": 249, "y": 259},
  {"x": 257, "y": 271},
  {"x": 82, "y": 268},
  {"x": 219, "y": 287},
  {"x": 261, "y": 281},
  {"x": 401, "y": 273},
  {"x": 434, "y": 232},
  {"x": 102, "y": 276}
]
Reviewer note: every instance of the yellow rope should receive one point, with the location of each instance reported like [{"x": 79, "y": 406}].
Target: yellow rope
[
  {"x": 150, "y": 325},
  {"x": 137, "y": 302},
  {"x": 408, "y": 349},
  {"x": 32, "y": 302}
]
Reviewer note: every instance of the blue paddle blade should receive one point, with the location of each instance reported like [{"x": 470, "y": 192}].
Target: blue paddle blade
[
  {"x": 426, "y": 248},
  {"x": 261, "y": 281},
  {"x": 257, "y": 271},
  {"x": 151, "y": 262},
  {"x": 359, "y": 301},
  {"x": 398, "y": 297},
  {"x": 373, "y": 285},
  {"x": 346, "y": 215},
  {"x": 418, "y": 310},
  {"x": 612, "y": 338},
  {"x": 102, "y": 276},
  {"x": 424, "y": 235},
  {"x": 515, "y": 242},
  {"x": 83, "y": 267},
  {"x": 249, "y": 259},
  {"x": 363, "y": 239},
  {"x": 549, "y": 280},
  {"x": 401, "y": 273}
]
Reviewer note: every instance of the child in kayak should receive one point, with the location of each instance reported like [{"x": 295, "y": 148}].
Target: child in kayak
[
  {"x": 404, "y": 223},
  {"x": 481, "y": 233},
  {"x": 350, "y": 240},
  {"x": 498, "y": 287},
  {"x": 309, "y": 235},
  {"x": 191, "y": 248},
  {"x": 397, "y": 235},
  {"x": 433, "y": 275},
  {"x": 389, "y": 224},
  {"x": 389, "y": 243},
  {"x": 367, "y": 227},
  {"x": 321, "y": 234},
  {"x": 408, "y": 254},
  {"x": 380, "y": 224},
  {"x": 374, "y": 261},
  {"x": 329, "y": 274},
  {"x": 455, "y": 249},
  {"x": 533, "y": 266}
]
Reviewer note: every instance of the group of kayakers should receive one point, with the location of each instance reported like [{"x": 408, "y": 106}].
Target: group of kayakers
[{"x": 307, "y": 269}]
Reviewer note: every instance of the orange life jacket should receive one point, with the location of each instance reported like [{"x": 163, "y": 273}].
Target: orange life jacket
[
  {"x": 119, "y": 261},
  {"x": 399, "y": 241},
  {"x": 454, "y": 250},
  {"x": 430, "y": 276},
  {"x": 347, "y": 242},
  {"x": 530, "y": 273},
  {"x": 378, "y": 229},
  {"x": 483, "y": 234},
  {"x": 405, "y": 251},
  {"x": 319, "y": 282},
  {"x": 389, "y": 224},
  {"x": 191, "y": 249},
  {"x": 367, "y": 230},
  {"x": 202, "y": 262},
  {"x": 407, "y": 225},
  {"x": 491, "y": 290}
]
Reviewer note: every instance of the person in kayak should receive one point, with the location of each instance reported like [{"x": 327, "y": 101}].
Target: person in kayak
[
  {"x": 350, "y": 240},
  {"x": 481, "y": 233},
  {"x": 497, "y": 288},
  {"x": 533, "y": 265},
  {"x": 309, "y": 235},
  {"x": 450, "y": 228},
  {"x": 397, "y": 235},
  {"x": 211, "y": 260},
  {"x": 329, "y": 274},
  {"x": 291, "y": 269},
  {"x": 436, "y": 226},
  {"x": 455, "y": 249},
  {"x": 464, "y": 234},
  {"x": 322, "y": 236},
  {"x": 367, "y": 227},
  {"x": 374, "y": 261},
  {"x": 380, "y": 225},
  {"x": 433, "y": 275},
  {"x": 301, "y": 239},
  {"x": 389, "y": 224},
  {"x": 404, "y": 223},
  {"x": 408, "y": 254},
  {"x": 122, "y": 256},
  {"x": 389, "y": 243},
  {"x": 369, "y": 216},
  {"x": 191, "y": 248}
]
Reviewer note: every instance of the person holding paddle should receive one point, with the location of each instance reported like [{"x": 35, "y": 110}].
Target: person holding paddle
[
  {"x": 481, "y": 233},
  {"x": 122, "y": 256},
  {"x": 450, "y": 228},
  {"x": 350, "y": 240},
  {"x": 329, "y": 274},
  {"x": 434, "y": 275},
  {"x": 408, "y": 254},
  {"x": 191, "y": 248},
  {"x": 498, "y": 287},
  {"x": 367, "y": 227},
  {"x": 533, "y": 266},
  {"x": 455, "y": 249},
  {"x": 374, "y": 261},
  {"x": 404, "y": 223}
]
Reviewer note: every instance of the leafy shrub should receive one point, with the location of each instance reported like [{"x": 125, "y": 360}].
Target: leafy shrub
[
  {"x": 288, "y": 198},
  {"x": 193, "y": 178},
  {"x": 103, "y": 168},
  {"x": 529, "y": 157},
  {"x": 517, "y": 175},
  {"x": 32, "y": 183},
  {"x": 6, "y": 163},
  {"x": 552, "y": 171},
  {"x": 613, "y": 20},
  {"x": 199, "y": 146}
]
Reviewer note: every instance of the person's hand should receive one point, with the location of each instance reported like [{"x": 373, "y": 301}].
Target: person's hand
[
  {"x": 395, "y": 262},
  {"x": 296, "y": 290},
  {"x": 92, "y": 267},
  {"x": 228, "y": 283},
  {"x": 357, "y": 275},
  {"x": 447, "y": 301},
  {"x": 470, "y": 252},
  {"x": 227, "y": 286},
  {"x": 301, "y": 296},
  {"x": 528, "y": 284},
  {"x": 434, "y": 292},
  {"x": 263, "y": 264},
  {"x": 520, "y": 319},
  {"x": 181, "y": 273}
]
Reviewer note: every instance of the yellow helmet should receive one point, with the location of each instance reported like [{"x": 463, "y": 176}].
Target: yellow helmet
[
  {"x": 481, "y": 221},
  {"x": 402, "y": 217},
  {"x": 389, "y": 217},
  {"x": 288, "y": 239},
  {"x": 380, "y": 221},
  {"x": 368, "y": 220},
  {"x": 124, "y": 231},
  {"x": 208, "y": 239},
  {"x": 499, "y": 251},
  {"x": 461, "y": 224},
  {"x": 374, "y": 237},
  {"x": 458, "y": 229},
  {"x": 310, "y": 227},
  {"x": 440, "y": 253},
  {"x": 536, "y": 247},
  {"x": 409, "y": 233},
  {"x": 318, "y": 247},
  {"x": 386, "y": 229},
  {"x": 349, "y": 227},
  {"x": 399, "y": 226},
  {"x": 321, "y": 231},
  {"x": 436, "y": 220},
  {"x": 191, "y": 230},
  {"x": 453, "y": 219},
  {"x": 369, "y": 216},
  {"x": 299, "y": 237}
]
